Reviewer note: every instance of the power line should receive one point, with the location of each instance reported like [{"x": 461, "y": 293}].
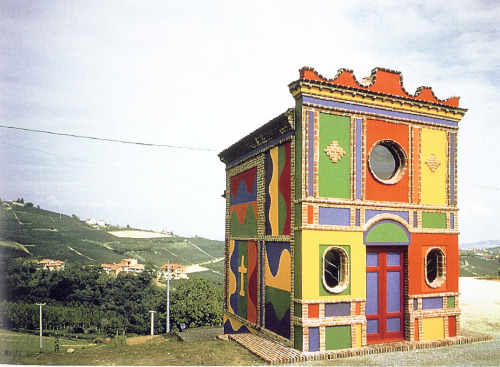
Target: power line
[
  {"x": 87, "y": 161},
  {"x": 484, "y": 187},
  {"x": 106, "y": 139}
]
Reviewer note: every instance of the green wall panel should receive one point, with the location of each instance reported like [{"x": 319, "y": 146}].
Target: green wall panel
[
  {"x": 248, "y": 227},
  {"x": 297, "y": 309},
  {"x": 387, "y": 232},
  {"x": 433, "y": 220},
  {"x": 297, "y": 265},
  {"x": 297, "y": 338},
  {"x": 450, "y": 301},
  {"x": 334, "y": 179},
  {"x": 338, "y": 337}
]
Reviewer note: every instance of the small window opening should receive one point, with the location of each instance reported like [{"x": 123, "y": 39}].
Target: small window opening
[
  {"x": 435, "y": 267},
  {"x": 335, "y": 269}
]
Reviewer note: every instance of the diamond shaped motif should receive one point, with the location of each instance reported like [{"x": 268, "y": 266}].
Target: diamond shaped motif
[
  {"x": 433, "y": 163},
  {"x": 334, "y": 151}
]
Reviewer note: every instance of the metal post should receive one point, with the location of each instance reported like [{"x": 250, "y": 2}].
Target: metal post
[
  {"x": 41, "y": 326},
  {"x": 168, "y": 298},
  {"x": 152, "y": 322}
]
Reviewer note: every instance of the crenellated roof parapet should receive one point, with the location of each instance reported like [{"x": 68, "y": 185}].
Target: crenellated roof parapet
[{"x": 384, "y": 87}]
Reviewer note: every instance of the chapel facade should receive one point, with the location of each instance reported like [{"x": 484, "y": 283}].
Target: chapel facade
[{"x": 341, "y": 216}]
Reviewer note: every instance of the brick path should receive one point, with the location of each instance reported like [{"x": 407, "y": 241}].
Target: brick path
[{"x": 275, "y": 353}]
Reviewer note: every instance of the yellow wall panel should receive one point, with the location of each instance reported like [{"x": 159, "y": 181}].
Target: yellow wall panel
[
  {"x": 311, "y": 281},
  {"x": 433, "y": 174},
  {"x": 359, "y": 338},
  {"x": 433, "y": 328}
]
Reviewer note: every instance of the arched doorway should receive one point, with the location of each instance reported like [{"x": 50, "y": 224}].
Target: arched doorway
[{"x": 386, "y": 247}]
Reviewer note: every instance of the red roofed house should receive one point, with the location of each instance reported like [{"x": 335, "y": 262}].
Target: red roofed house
[{"x": 176, "y": 271}]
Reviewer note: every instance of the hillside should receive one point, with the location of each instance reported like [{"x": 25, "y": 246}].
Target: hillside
[
  {"x": 34, "y": 232},
  {"x": 480, "y": 245}
]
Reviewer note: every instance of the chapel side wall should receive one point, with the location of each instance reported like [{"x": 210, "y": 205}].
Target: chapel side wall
[{"x": 262, "y": 243}]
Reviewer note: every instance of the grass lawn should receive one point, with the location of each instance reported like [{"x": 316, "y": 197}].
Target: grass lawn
[
  {"x": 28, "y": 344},
  {"x": 155, "y": 351}
]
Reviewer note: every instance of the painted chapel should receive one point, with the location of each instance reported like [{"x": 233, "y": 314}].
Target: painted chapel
[{"x": 341, "y": 216}]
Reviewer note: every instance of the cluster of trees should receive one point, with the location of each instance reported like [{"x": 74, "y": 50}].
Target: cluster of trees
[{"x": 82, "y": 299}]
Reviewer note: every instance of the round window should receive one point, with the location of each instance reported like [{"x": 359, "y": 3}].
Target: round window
[
  {"x": 387, "y": 161},
  {"x": 435, "y": 267},
  {"x": 335, "y": 269}
]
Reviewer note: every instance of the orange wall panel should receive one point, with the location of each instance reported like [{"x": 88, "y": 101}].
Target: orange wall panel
[
  {"x": 420, "y": 244},
  {"x": 375, "y": 190}
]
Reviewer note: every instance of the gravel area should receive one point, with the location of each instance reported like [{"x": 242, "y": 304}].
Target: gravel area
[
  {"x": 200, "y": 334},
  {"x": 477, "y": 354},
  {"x": 480, "y": 304}
]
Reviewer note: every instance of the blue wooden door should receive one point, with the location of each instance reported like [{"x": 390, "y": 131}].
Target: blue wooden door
[{"x": 384, "y": 294}]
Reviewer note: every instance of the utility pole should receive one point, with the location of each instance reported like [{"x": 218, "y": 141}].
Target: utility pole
[
  {"x": 168, "y": 298},
  {"x": 152, "y": 322},
  {"x": 41, "y": 326}
]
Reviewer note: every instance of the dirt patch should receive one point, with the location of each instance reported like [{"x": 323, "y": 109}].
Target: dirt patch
[
  {"x": 139, "y": 339},
  {"x": 138, "y": 234}
]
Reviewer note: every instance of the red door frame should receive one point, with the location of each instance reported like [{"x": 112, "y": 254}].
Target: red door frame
[{"x": 382, "y": 268}]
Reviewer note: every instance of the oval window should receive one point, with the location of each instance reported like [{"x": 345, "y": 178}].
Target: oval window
[
  {"x": 435, "y": 267},
  {"x": 387, "y": 161},
  {"x": 335, "y": 269}
]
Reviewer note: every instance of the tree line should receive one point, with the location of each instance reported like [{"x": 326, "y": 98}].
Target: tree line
[{"x": 84, "y": 299}]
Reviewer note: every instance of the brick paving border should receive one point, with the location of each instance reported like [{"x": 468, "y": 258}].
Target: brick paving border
[{"x": 275, "y": 353}]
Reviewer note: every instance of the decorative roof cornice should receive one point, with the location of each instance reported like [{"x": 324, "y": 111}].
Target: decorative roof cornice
[
  {"x": 382, "y": 83},
  {"x": 273, "y": 129}
]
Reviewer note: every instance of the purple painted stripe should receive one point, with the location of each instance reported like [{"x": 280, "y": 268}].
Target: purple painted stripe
[
  {"x": 261, "y": 293},
  {"x": 369, "y": 214},
  {"x": 394, "y": 324},
  {"x": 337, "y": 309},
  {"x": 310, "y": 152},
  {"x": 313, "y": 339},
  {"x": 359, "y": 158},
  {"x": 393, "y": 291},
  {"x": 415, "y": 304},
  {"x": 262, "y": 147},
  {"x": 432, "y": 303},
  {"x": 415, "y": 219},
  {"x": 452, "y": 221},
  {"x": 358, "y": 108},
  {"x": 453, "y": 137},
  {"x": 358, "y": 217},
  {"x": 334, "y": 216}
]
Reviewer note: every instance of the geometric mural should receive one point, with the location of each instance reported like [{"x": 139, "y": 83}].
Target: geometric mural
[
  {"x": 278, "y": 190},
  {"x": 243, "y": 204},
  {"x": 278, "y": 288}
]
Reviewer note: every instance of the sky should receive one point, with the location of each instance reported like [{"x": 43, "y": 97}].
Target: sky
[{"x": 202, "y": 75}]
